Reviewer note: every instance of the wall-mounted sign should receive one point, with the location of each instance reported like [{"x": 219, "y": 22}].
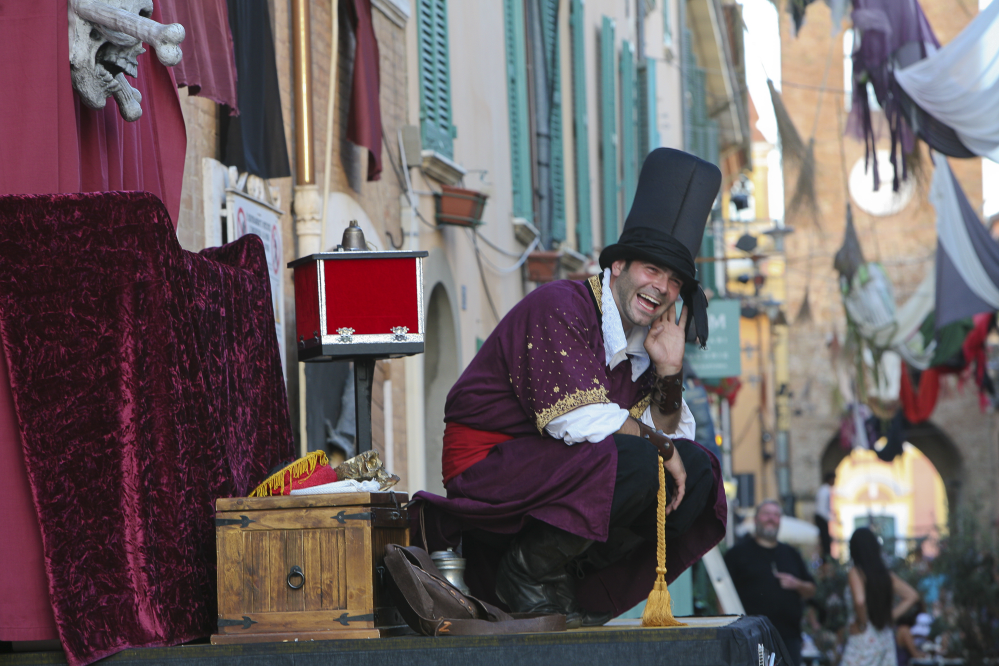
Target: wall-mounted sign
[
  {"x": 721, "y": 358},
  {"x": 247, "y": 215}
]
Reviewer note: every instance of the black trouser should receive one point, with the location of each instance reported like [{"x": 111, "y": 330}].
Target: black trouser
[
  {"x": 636, "y": 487},
  {"x": 793, "y": 646},
  {"x": 825, "y": 540},
  {"x": 634, "y": 506}
]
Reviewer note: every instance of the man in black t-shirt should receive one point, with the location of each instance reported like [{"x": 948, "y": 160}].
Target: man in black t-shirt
[{"x": 771, "y": 578}]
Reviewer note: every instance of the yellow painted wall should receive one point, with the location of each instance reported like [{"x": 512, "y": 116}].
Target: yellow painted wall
[{"x": 909, "y": 489}]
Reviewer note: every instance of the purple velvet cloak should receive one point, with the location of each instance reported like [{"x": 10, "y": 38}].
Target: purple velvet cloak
[
  {"x": 544, "y": 359},
  {"x": 147, "y": 383}
]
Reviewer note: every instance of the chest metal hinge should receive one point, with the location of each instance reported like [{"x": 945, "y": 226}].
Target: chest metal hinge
[
  {"x": 245, "y": 623},
  {"x": 242, "y": 521}
]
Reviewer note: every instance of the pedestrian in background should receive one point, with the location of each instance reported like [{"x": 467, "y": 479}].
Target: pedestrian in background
[
  {"x": 823, "y": 512},
  {"x": 771, "y": 578},
  {"x": 871, "y": 589}
]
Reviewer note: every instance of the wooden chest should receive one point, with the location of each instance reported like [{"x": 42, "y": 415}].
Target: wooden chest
[{"x": 306, "y": 567}]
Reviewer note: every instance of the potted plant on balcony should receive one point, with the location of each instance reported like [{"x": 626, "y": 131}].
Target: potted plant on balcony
[
  {"x": 458, "y": 206},
  {"x": 542, "y": 265}
]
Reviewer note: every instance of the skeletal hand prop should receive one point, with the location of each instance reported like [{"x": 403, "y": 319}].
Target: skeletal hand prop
[{"x": 105, "y": 40}]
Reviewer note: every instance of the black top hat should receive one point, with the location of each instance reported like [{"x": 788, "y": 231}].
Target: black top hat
[{"x": 676, "y": 191}]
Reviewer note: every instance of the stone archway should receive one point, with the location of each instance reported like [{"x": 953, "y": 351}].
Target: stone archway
[
  {"x": 441, "y": 367},
  {"x": 932, "y": 442}
]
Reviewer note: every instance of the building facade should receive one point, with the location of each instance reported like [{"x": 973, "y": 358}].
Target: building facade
[{"x": 545, "y": 107}]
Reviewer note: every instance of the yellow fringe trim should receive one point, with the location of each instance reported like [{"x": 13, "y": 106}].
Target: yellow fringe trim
[
  {"x": 659, "y": 607},
  {"x": 301, "y": 469}
]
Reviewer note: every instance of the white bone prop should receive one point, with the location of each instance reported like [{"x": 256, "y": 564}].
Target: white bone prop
[
  {"x": 128, "y": 98},
  {"x": 165, "y": 39}
]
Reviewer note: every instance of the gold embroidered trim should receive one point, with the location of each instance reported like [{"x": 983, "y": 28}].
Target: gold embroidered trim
[
  {"x": 578, "y": 398},
  {"x": 640, "y": 407},
  {"x": 596, "y": 283}
]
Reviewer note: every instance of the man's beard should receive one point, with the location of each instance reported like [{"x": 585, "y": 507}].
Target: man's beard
[
  {"x": 625, "y": 291},
  {"x": 767, "y": 533}
]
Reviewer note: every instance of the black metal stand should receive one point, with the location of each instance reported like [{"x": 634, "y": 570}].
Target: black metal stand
[{"x": 364, "y": 380}]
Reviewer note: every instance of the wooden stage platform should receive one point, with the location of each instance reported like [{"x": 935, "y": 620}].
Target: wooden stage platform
[{"x": 715, "y": 641}]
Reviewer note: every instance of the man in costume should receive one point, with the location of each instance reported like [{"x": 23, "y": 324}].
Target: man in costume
[
  {"x": 771, "y": 578},
  {"x": 553, "y": 430}
]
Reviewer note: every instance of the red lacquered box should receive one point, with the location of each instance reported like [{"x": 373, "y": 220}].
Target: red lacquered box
[{"x": 357, "y": 303}]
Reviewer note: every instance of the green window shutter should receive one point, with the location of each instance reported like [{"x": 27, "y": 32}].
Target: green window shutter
[
  {"x": 688, "y": 65},
  {"x": 556, "y": 173},
  {"x": 629, "y": 125},
  {"x": 584, "y": 225},
  {"x": 700, "y": 132},
  {"x": 705, "y": 271},
  {"x": 642, "y": 82},
  {"x": 648, "y": 132},
  {"x": 516, "y": 91},
  {"x": 435, "y": 79},
  {"x": 608, "y": 132}
]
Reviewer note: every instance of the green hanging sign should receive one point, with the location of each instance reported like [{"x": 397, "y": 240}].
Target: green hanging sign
[{"x": 721, "y": 358}]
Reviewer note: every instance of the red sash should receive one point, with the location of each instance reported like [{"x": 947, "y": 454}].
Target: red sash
[{"x": 464, "y": 446}]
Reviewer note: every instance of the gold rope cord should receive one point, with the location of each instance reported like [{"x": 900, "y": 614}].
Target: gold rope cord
[{"x": 659, "y": 607}]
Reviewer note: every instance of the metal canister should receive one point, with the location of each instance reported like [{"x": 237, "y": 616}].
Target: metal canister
[{"x": 451, "y": 566}]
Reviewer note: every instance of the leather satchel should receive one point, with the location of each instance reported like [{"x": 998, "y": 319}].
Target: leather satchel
[{"x": 432, "y": 606}]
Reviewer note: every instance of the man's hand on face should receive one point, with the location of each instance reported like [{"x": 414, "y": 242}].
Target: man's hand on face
[{"x": 666, "y": 341}]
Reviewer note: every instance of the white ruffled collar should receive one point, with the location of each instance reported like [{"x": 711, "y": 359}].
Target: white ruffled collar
[{"x": 617, "y": 345}]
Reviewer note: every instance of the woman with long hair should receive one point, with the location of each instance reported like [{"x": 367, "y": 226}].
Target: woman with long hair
[{"x": 873, "y": 588}]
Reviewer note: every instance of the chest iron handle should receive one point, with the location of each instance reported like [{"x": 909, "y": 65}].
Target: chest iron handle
[{"x": 296, "y": 572}]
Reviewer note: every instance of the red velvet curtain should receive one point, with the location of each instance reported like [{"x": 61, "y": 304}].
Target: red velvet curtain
[
  {"x": 147, "y": 383},
  {"x": 50, "y": 142}
]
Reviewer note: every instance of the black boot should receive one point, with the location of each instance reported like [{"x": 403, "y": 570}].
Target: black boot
[{"x": 532, "y": 576}]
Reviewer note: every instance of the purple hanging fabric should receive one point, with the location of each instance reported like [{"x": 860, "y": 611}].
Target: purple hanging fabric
[{"x": 889, "y": 34}]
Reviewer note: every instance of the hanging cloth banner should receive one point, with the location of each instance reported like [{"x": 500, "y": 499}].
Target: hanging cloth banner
[
  {"x": 870, "y": 303},
  {"x": 968, "y": 257},
  {"x": 918, "y": 404},
  {"x": 959, "y": 84}
]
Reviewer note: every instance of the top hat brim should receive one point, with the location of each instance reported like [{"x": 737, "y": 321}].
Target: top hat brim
[{"x": 619, "y": 251}]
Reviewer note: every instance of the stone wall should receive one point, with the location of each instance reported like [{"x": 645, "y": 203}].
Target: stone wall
[
  {"x": 348, "y": 169},
  {"x": 904, "y": 243}
]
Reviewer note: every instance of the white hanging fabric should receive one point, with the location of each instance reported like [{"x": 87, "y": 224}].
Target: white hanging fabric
[
  {"x": 955, "y": 237},
  {"x": 870, "y": 304},
  {"x": 959, "y": 84}
]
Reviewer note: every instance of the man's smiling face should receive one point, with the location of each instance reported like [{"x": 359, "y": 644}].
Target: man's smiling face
[{"x": 643, "y": 291}]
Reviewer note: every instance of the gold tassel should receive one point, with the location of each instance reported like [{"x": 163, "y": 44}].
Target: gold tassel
[
  {"x": 300, "y": 469},
  {"x": 659, "y": 607}
]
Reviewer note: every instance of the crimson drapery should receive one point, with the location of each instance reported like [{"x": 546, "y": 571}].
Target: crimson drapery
[
  {"x": 147, "y": 382},
  {"x": 50, "y": 142},
  {"x": 364, "y": 124},
  {"x": 208, "y": 68},
  {"x": 919, "y": 404}
]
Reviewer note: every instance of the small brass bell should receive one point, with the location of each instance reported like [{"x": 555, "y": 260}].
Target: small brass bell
[{"x": 353, "y": 238}]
